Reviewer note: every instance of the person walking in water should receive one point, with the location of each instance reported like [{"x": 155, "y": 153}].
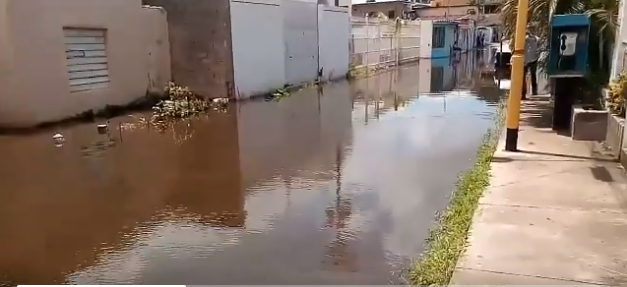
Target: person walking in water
[{"x": 531, "y": 64}]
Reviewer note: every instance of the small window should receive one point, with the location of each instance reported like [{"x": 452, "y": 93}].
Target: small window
[
  {"x": 391, "y": 14},
  {"x": 86, "y": 55},
  {"x": 490, "y": 9},
  {"x": 438, "y": 37}
]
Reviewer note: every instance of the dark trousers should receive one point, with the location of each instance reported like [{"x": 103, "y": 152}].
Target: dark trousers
[{"x": 531, "y": 68}]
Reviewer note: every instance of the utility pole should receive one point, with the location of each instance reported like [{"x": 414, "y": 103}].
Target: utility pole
[
  {"x": 448, "y": 9},
  {"x": 518, "y": 63}
]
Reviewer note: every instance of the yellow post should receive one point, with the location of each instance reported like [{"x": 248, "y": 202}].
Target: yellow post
[{"x": 518, "y": 79}]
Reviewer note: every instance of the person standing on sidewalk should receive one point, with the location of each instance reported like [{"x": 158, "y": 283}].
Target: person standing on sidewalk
[{"x": 531, "y": 64}]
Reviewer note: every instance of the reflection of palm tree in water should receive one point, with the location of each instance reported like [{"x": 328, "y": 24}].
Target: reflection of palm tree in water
[{"x": 338, "y": 253}]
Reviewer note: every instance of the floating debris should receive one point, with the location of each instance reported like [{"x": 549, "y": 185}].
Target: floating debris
[
  {"x": 220, "y": 104},
  {"x": 59, "y": 139},
  {"x": 103, "y": 128}
]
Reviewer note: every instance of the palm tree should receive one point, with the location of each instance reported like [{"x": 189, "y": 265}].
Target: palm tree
[{"x": 604, "y": 17}]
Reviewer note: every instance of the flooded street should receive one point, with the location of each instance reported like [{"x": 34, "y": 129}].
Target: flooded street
[{"x": 332, "y": 187}]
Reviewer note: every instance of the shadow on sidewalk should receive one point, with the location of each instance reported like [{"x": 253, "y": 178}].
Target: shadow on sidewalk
[
  {"x": 537, "y": 111},
  {"x": 570, "y": 156}
]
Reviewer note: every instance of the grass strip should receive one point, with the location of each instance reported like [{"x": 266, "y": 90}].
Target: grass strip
[{"x": 448, "y": 240}]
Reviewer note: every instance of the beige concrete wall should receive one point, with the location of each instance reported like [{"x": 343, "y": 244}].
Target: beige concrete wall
[
  {"x": 158, "y": 45},
  {"x": 33, "y": 43}
]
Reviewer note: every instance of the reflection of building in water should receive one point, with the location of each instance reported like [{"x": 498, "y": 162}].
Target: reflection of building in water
[
  {"x": 206, "y": 180},
  {"x": 295, "y": 137},
  {"x": 80, "y": 216},
  {"x": 388, "y": 91},
  {"x": 465, "y": 69},
  {"x": 446, "y": 74},
  {"x": 443, "y": 75}
]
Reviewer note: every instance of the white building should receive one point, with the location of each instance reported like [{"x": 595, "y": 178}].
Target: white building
[{"x": 620, "y": 46}]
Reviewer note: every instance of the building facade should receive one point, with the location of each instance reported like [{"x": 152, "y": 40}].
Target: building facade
[
  {"x": 445, "y": 35},
  {"x": 391, "y": 9},
  {"x": 62, "y": 58}
]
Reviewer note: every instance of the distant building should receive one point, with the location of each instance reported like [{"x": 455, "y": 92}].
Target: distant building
[
  {"x": 392, "y": 9},
  {"x": 446, "y": 3},
  {"x": 337, "y": 3},
  {"x": 484, "y": 15},
  {"x": 484, "y": 12},
  {"x": 450, "y": 12}
]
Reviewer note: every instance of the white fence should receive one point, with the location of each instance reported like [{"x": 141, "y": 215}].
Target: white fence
[
  {"x": 278, "y": 42},
  {"x": 379, "y": 43}
]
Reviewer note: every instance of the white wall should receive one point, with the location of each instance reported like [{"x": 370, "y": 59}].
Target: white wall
[
  {"x": 410, "y": 37},
  {"x": 258, "y": 46},
  {"x": 278, "y": 42},
  {"x": 424, "y": 76},
  {"x": 620, "y": 47},
  {"x": 426, "y": 37},
  {"x": 346, "y": 3},
  {"x": 300, "y": 32},
  {"x": 373, "y": 42},
  {"x": 379, "y": 42},
  {"x": 333, "y": 41}
]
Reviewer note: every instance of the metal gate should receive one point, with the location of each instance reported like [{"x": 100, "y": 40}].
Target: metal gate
[{"x": 86, "y": 54}]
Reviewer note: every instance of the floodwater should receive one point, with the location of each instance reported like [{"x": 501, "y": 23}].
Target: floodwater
[{"x": 331, "y": 187}]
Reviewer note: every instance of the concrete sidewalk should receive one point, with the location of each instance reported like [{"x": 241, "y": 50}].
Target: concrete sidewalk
[{"x": 555, "y": 213}]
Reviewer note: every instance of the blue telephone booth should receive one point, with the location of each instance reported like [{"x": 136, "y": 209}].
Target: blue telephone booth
[
  {"x": 568, "y": 63},
  {"x": 568, "y": 54}
]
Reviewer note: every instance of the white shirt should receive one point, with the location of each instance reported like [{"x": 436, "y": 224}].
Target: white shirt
[{"x": 531, "y": 49}]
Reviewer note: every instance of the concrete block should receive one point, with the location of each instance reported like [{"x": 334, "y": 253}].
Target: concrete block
[
  {"x": 623, "y": 158},
  {"x": 588, "y": 125},
  {"x": 614, "y": 134}
]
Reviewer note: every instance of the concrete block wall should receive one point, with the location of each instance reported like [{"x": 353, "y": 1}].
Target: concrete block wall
[{"x": 200, "y": 44}]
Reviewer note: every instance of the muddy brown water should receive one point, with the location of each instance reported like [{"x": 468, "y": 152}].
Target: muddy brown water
[{"x": 339, "y": 187}]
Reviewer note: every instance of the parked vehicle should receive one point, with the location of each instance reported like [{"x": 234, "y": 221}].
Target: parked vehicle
[{"x": 502, "y": 55}]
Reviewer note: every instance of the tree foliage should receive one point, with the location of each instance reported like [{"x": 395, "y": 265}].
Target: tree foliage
[{"x": 604, "y": 17}]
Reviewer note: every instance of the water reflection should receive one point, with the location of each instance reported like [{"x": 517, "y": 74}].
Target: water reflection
[{"x": 337, "y": 186}]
